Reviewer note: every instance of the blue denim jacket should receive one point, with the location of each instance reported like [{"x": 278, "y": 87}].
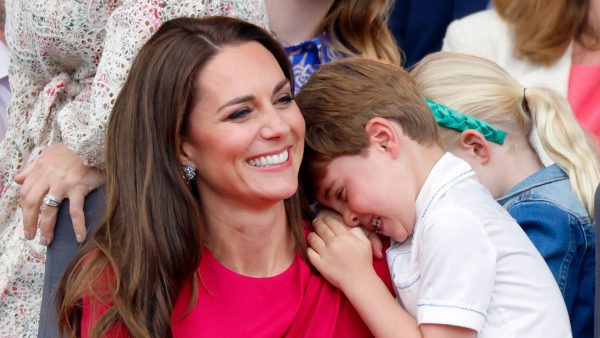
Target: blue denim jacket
[{"x": 560, "y": 228}]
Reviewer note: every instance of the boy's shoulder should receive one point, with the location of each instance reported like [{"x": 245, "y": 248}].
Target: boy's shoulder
[{"x": 452, "y": 193}]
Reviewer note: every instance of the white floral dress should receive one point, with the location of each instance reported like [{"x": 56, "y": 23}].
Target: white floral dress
[{"x": 69, "y": 59}]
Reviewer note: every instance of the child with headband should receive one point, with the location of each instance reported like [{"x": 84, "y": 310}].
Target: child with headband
[
  {"x": 460, "y": 265},
  {"x": 552, "y": 203}
]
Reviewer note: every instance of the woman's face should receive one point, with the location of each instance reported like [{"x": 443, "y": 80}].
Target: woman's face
[{"x": 246, "y": 134}]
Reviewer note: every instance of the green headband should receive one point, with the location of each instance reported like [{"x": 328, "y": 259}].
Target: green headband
[{"x": 452, "y": 119}]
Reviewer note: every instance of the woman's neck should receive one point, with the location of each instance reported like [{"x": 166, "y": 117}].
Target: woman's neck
[
  {"x": 254, "y": 242},
  {"x": 295, "y": 21}
]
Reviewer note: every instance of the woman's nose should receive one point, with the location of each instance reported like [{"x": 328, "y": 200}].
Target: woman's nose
[{"x": 275, "y": 126}]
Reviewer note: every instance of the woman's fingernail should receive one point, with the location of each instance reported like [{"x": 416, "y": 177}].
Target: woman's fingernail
[
  {"x": 43, "y": 240},
  {"x": 80, "y": 238},
  {"x": 27, "y": 234}
]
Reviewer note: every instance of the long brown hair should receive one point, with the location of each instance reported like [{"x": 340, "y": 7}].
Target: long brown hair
[
  {"x": 359, "y": 28},
  {"x": 544, "y": 29},
  {"x": 151, "y": 239}
]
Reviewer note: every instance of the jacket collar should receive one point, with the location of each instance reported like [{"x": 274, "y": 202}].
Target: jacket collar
[{"x": 544, "y": 176}]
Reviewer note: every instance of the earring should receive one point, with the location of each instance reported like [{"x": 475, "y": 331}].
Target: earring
[{"x": 189, "y": 172}]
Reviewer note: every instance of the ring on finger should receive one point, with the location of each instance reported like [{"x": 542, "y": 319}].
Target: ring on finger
[{"x": 52, "y": 201}]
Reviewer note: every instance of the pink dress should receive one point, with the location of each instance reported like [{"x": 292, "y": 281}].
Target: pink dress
[
  {"x": 295, "y": 303},
  {"x": 584, "y": 97}
]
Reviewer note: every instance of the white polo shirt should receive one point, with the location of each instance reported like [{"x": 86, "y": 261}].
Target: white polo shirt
[{"x": 469, "y": 264}]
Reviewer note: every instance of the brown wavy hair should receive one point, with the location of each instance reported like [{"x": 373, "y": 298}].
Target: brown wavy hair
[
  {"x": 359, "y": 28},
  {"x": 544, "y": 29},
  {"x": 153, "y": 233}
]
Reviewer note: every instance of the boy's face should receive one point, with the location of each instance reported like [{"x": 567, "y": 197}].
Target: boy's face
[{"x": 371, "y": 190}]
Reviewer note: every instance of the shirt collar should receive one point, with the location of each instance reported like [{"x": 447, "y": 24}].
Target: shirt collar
[{"x": 448, "y": 171}]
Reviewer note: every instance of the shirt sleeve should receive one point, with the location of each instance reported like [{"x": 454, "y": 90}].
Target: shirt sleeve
[
  {"x": 83, "y": 120},
  {"x": 458, "y": 270}
]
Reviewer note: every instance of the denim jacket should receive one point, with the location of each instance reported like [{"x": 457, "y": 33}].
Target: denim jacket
[{"x": 560, "y": 228}]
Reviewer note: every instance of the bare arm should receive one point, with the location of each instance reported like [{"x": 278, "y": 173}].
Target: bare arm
[{"x": 344, "y": 257}]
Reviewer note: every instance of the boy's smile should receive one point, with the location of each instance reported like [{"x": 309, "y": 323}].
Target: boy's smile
[{"x": 357, "y": 186}]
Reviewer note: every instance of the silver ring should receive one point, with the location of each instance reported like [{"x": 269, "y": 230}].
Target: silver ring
[{"x": 51, "y": 201}]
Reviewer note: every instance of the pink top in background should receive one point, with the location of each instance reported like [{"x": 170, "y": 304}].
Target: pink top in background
[
  {"x": 295, "y": 303},
  {"x": 584, "y": 97}
]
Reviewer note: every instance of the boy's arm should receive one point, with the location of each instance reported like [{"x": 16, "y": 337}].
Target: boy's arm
[{"x": 343, "y": 256}]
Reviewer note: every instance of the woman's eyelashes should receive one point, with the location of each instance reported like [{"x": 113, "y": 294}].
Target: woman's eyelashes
[
  {"x": 239, "y": 114},
  {"x": 285, "y": 99}
]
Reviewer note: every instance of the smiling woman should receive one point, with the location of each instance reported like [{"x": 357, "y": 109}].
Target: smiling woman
[
  {"x": 217, "y": 249},
  {"x": 245, "y": 128}
]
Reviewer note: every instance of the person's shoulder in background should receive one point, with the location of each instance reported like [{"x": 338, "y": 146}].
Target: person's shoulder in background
[
  {"x": 419, "y": 25},
  {"x": 484, "y": 34}
]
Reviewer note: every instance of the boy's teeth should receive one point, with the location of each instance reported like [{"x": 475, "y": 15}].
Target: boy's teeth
[
  {"x": 270, "y": 159},
  {"x": 376, "y": 223}
]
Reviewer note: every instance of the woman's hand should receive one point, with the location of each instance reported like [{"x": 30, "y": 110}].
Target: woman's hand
[
  {"x": 60, "y": 173},
  {"x": 341, "y": 254}
]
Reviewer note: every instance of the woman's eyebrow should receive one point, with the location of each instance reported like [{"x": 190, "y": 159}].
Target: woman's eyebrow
[
  {"x": 237, "y": 100},
  {"x": 280, "y": 85},
  {"x": 247, "y": 98}
]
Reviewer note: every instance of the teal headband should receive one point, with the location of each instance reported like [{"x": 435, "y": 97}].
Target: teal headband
[{"x": 451, "y": 119}]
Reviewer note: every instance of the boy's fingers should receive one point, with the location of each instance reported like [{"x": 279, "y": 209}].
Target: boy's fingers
[
  {"x": 323, "y": 230},
  {"x": 376, "y": 245},
  {"x": 358, "y": 233},
  {"x": 336, "y": 225},
  {"x": 315, "y": 242},
  {"x": 314, "y": 257}
]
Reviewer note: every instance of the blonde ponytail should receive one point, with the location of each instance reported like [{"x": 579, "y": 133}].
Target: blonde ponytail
[
  {"x": 565, "y": 141},
  {"x": 480, "y": 88}
]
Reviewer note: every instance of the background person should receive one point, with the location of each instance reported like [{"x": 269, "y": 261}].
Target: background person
[
  {"x": 4, "y": 85},
  {"x": 319, "y": 31},
  {"x": 551, "y": 43},
  {"x": 553, "y": 204}
]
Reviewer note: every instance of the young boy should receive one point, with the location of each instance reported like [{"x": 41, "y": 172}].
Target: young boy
[{"x": 459, "y": 263}]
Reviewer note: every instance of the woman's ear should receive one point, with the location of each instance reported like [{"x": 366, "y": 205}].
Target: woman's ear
[
  {"x": 383, "y": 134},
  {"x": 186, "y": 149},
  {"x": 474, "y": 143}
]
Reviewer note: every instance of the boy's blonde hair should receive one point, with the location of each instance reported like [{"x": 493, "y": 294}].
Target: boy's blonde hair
[
  {"x": 480, "y": 88},
  {"x": 339, "y": 100}
]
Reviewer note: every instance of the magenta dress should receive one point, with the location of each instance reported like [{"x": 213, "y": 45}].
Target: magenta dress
[{"x": 295, "y": 303}]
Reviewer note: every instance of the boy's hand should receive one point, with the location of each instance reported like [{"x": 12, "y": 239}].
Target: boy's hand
[
  {"x": 376, "y": 243},
  {"x": 341, "y": 254}
]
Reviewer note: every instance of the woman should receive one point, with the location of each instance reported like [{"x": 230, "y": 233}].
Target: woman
[
  {"x": 551, "y": 43},
  {"x": 319, "y": 31},
  {"x": 68, "y": 62},
  {"x": 203, "y": 234}
]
